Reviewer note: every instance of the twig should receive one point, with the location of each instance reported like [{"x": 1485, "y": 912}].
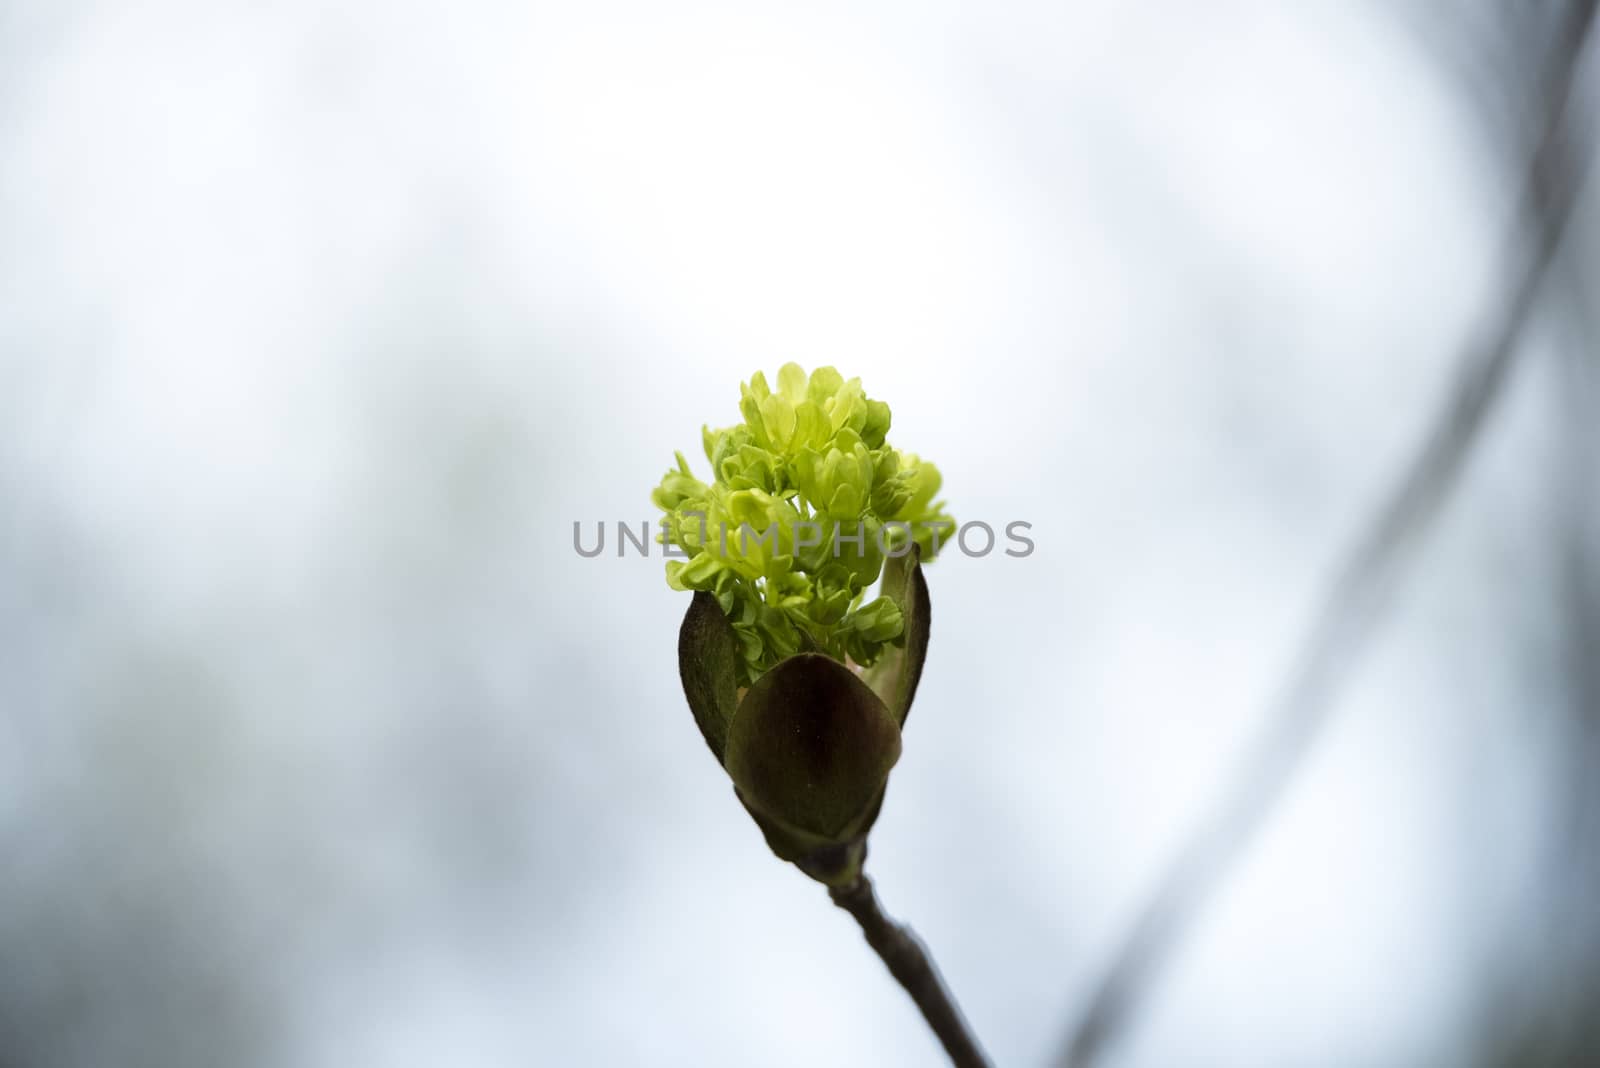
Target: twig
[
  {"x": 1357, "y": 594},
  {"x": 910, "y": 963}
]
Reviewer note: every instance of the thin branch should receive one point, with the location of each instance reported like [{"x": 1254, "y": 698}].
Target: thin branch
[
  {"x": 909, "y": 962},
  {"x": 1361, "y": 585}
]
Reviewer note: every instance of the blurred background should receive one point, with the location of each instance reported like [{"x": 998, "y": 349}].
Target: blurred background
[{"x": 321, "y": 324}]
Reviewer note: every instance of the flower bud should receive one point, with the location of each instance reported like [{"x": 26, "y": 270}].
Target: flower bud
[
  {"x": 788, "y": 533},
  {"x": 799, "y": 680},
  {"x": 810, "y": 744}
]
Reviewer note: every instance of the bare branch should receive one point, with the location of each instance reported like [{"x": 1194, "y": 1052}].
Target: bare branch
[
  {"x": 909, "y": 962},
  {"x": 1360, "y": 587}
]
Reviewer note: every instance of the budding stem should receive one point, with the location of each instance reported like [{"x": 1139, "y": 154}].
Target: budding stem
[{"x": 909, "y": 962}]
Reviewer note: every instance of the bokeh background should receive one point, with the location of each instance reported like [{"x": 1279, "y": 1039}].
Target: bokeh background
[{"x": 321, "y": 324}]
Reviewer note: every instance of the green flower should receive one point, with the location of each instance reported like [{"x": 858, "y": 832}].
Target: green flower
[
  {"x": 805, "y": 501},
  {"x": 800, "y": 683}
]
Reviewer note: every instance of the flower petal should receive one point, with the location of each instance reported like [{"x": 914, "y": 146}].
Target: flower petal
[
  {"x": 811, "y": 746},
  {"x": 707, "y": 660},
  {"x": 895, "y": 676}
]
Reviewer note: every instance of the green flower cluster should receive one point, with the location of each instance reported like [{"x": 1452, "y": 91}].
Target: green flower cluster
[{"x": 807, "y": 498}]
